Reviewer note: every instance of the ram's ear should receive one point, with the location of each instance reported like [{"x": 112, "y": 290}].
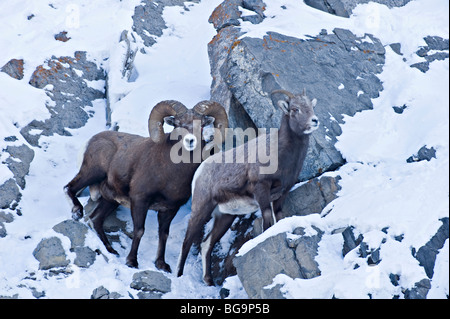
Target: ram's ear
[
  {"x": 284, "y": 106},
  {"x": 314, "y": 102},
  {"x": 170, "y": 120},
  {"x": 208, "y": 120}
]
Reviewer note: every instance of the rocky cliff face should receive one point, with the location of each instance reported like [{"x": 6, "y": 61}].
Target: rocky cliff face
[{"x": 342, "y": 71}]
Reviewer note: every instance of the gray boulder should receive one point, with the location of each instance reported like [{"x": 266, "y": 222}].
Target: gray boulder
[
  {"x": 289, "y": 254},
  {"x": 50, "y": 254},
  {"x": 419, "y": 291},
  {"x": 152, "y": 284},
  {"x": 14, "y": 68},
  {"x": 311, "y": 197},
  {"x": 76, "y": 232},
  {"x": 422, "y": 154},
  {"x": 103, "y": 293}
]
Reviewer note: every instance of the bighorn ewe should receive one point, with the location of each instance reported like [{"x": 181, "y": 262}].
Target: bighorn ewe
[
  {"x": 241, "y": 187},
  {"x": 138, "y": 172}
]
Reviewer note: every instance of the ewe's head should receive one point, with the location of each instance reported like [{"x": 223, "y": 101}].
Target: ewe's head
[
  {"x": 299, "y": 109},
  {"x": 188, "y": 123}
]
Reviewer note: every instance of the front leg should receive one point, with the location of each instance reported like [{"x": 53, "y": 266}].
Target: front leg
[
  {"x": 262, "y": 196},
  {"x": 164, "y": 220},
  {"x": 139, "y": 210}
]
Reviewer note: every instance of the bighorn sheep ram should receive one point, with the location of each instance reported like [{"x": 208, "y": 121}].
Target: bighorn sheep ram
[
  {"x": 241, "y": 187},
  {"x": 138, "y": 172}
]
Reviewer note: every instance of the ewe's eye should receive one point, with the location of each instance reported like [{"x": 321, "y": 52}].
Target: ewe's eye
[{"x": 295, "y": 110}]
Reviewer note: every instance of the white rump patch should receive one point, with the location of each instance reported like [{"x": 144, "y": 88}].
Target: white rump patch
[{"x": 239, "y": 206}]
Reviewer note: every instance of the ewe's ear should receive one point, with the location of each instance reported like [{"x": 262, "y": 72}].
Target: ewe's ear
[
  {"x": 284, "y": 106},
  {"x": 314, "y": 102},
  {"x": 170, "y": 120}
]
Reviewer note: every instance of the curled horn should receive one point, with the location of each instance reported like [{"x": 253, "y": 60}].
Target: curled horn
[
  {"x": 159, "y": 112},
  {"x": 282, "y": 104},
  {"x": 216, "y": 110}
]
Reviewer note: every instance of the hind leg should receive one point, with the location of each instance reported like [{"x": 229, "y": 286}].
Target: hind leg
[
  {"x": 80, "y": 181},
  {"x": 201, "y": 214},
  {"x": 222, "y": 222},
  {"x": 98, "y": 216}
]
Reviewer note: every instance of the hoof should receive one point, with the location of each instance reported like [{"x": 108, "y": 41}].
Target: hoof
[
  {"x": 162, "y": 265},
  {"x": 112, "y": 251},
  {"x": 77, "y": 213},
  {"x": 132, "y": 263},
  {"x": 208, "y": 280}
]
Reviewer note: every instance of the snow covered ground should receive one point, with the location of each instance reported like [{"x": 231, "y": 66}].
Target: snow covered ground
[{"x": 379, "y": 189}]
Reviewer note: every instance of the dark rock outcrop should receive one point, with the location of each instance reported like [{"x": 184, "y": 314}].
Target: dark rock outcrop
[
  {"x": 344, "y": 8},
  {"x": 148, "y": 22},
  {"x": 64, "y": 80},
  {"x": 338, "y": 69}
]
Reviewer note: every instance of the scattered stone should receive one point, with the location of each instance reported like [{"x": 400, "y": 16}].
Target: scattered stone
[
  {"x": 350, "y": 242},
  {"x": 50, "y": 254},
  {"x": 14, "y": 68},
  {"x": 85, "y": 256},
  {"x": 103, "y": 293},
  {"x": 4, "y": 218},
  {"x": 434, "y": 43},
  {"x": 419, "y": 291},
  {"x": 396, "y": 47},
  {"x": 2, "y": 230},
  {"x": 19, "y": 162},
  {"x": 62, "y": 36},
  {"x": 399, "y": 109},
  {"x": 424, "y": 153},
  {"x": 224, "y": 293},
  {"x": 10, "y": 194},
  {"x": 100, "y": 293},
  {"x": 74, "y": 230},
  {"x": 151, "y": 281},
  {"x": 37, "y": 294}
]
